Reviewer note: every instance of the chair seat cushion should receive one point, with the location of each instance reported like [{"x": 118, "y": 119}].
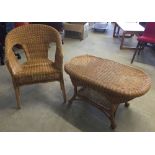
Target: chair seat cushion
[
  {"x": 35, "y": 71},
  {"x": 147, "y": 39}
]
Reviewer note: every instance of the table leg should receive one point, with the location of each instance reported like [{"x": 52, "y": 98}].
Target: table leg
[
  {"x": 122, "y": 40},
  {"x": 118, "y": 31},
  {"x": 127, "y": 104},
  {"x": 112, "y": 113},
  {"x": 114, "y": 32}
]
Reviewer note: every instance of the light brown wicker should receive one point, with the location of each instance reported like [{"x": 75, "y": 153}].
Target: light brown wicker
[
  {"x": 119, "y": 83},
  {"x": 35, "y": 40}
]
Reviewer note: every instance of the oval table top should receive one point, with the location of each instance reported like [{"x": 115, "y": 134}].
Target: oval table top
[{"x": 109, "y": 75}]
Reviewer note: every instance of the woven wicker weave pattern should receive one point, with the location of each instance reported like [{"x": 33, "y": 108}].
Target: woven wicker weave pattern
[
  {"x": 35, "y": 40},
  {"x": 109, "y": 76},
  {"x": 117, "y": 82}
]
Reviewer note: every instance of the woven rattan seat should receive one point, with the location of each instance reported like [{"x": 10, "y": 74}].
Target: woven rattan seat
[
  {"x": 119, "y": 83},
  {"x": 32, "y": 72},
  {"x": 35, "y": 40}
]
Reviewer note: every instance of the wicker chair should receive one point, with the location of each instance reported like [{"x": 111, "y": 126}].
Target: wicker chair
[{"x": 35, "y": 39}]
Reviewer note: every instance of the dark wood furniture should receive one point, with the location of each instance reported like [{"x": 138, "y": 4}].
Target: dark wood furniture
[
  {"x": 148, "y": 37},
  {"x": 129, "y": 29}
]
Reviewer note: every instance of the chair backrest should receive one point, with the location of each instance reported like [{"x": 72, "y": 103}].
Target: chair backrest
[
  {"x": 34, "y": 38},
  {"x": 149, "y": 29}
]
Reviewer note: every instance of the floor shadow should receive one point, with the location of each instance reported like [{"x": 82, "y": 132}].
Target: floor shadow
[{"x": 81, "y": 114}]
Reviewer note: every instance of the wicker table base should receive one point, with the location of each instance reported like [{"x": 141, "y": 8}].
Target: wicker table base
[{"x": 118, "y": 83}]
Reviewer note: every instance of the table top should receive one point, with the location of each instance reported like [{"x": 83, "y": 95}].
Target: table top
[
  {"x": 130, "y": 26},
  {"x": 109, "y": 75}
]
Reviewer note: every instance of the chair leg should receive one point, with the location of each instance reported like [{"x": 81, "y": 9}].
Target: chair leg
[
  {"x": 139, "y": 44},
  {"x": 17, "y": 93},
  {"x": 63, "y": 89},
  {"x": 144, "y": 44},
  {"x": 141, "y": 48}
]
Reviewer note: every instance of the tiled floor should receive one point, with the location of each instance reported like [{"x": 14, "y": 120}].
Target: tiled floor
[{"x": 42, "y": 108}]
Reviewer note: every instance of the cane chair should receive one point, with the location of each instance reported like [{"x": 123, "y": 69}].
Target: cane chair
[
  {"x": 35, "y": 40},
  {"x": 147, "y": 37}
]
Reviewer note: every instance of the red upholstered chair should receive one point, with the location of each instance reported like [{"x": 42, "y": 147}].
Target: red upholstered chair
[
  {"x": 17, "y": 24},
  {"x": 148, "y": 36}
]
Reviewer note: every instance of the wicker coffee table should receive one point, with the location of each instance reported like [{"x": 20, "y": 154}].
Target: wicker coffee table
[{"x": 117, "y": 82}]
